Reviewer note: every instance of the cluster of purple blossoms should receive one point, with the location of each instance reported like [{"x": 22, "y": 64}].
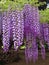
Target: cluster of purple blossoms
[
  {"x": 6, "y": 31},
  {"x": 17, "y": 25}
]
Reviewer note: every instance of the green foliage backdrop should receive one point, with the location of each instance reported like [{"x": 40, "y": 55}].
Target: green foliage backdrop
[{"x": 18, "y": 4}]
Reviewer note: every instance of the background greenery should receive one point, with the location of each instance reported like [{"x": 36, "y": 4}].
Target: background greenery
[{"x": 18, "y": 4}]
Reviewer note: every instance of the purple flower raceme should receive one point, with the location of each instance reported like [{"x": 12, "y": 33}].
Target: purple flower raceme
[
  {"x": 18, "y": 28},
  {"x": 28, "y": 50},
  {"x": 14, "y": 30},
  {"x": 35, "y": 23},
  {"x": 0, "y": 23},
  {"x": 9, "y": 22},
  {"x": 11, "y": 33},
  {"x": 36, "y": 32},
  {"x": 42, "y": 41},
  {"x": 27, "y": 31},
  {"x": 46, "y": 33},
  {"x": 34, "y": 49},
  {"x": 26, "y": 55},
  {"x": 6, "y": 32},
  {"x": 21, "y": 27},
  {"x": 41, "y": 31},
  {"x": 42, "y": 49}
]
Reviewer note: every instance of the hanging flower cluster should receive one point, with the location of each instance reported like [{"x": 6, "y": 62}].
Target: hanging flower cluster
[
  {"x": 25, "y": 24},
  {"x": 0, "y": 23},
  {"x": 6, "y": 31}
]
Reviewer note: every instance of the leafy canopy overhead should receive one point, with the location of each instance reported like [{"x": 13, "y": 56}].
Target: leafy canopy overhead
[
  {"x": 4, "y": 4},
  {"x": 18, "y": 4}
]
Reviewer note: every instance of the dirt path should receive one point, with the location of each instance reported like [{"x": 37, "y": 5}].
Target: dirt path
[{"x": 39, "y": 62}]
